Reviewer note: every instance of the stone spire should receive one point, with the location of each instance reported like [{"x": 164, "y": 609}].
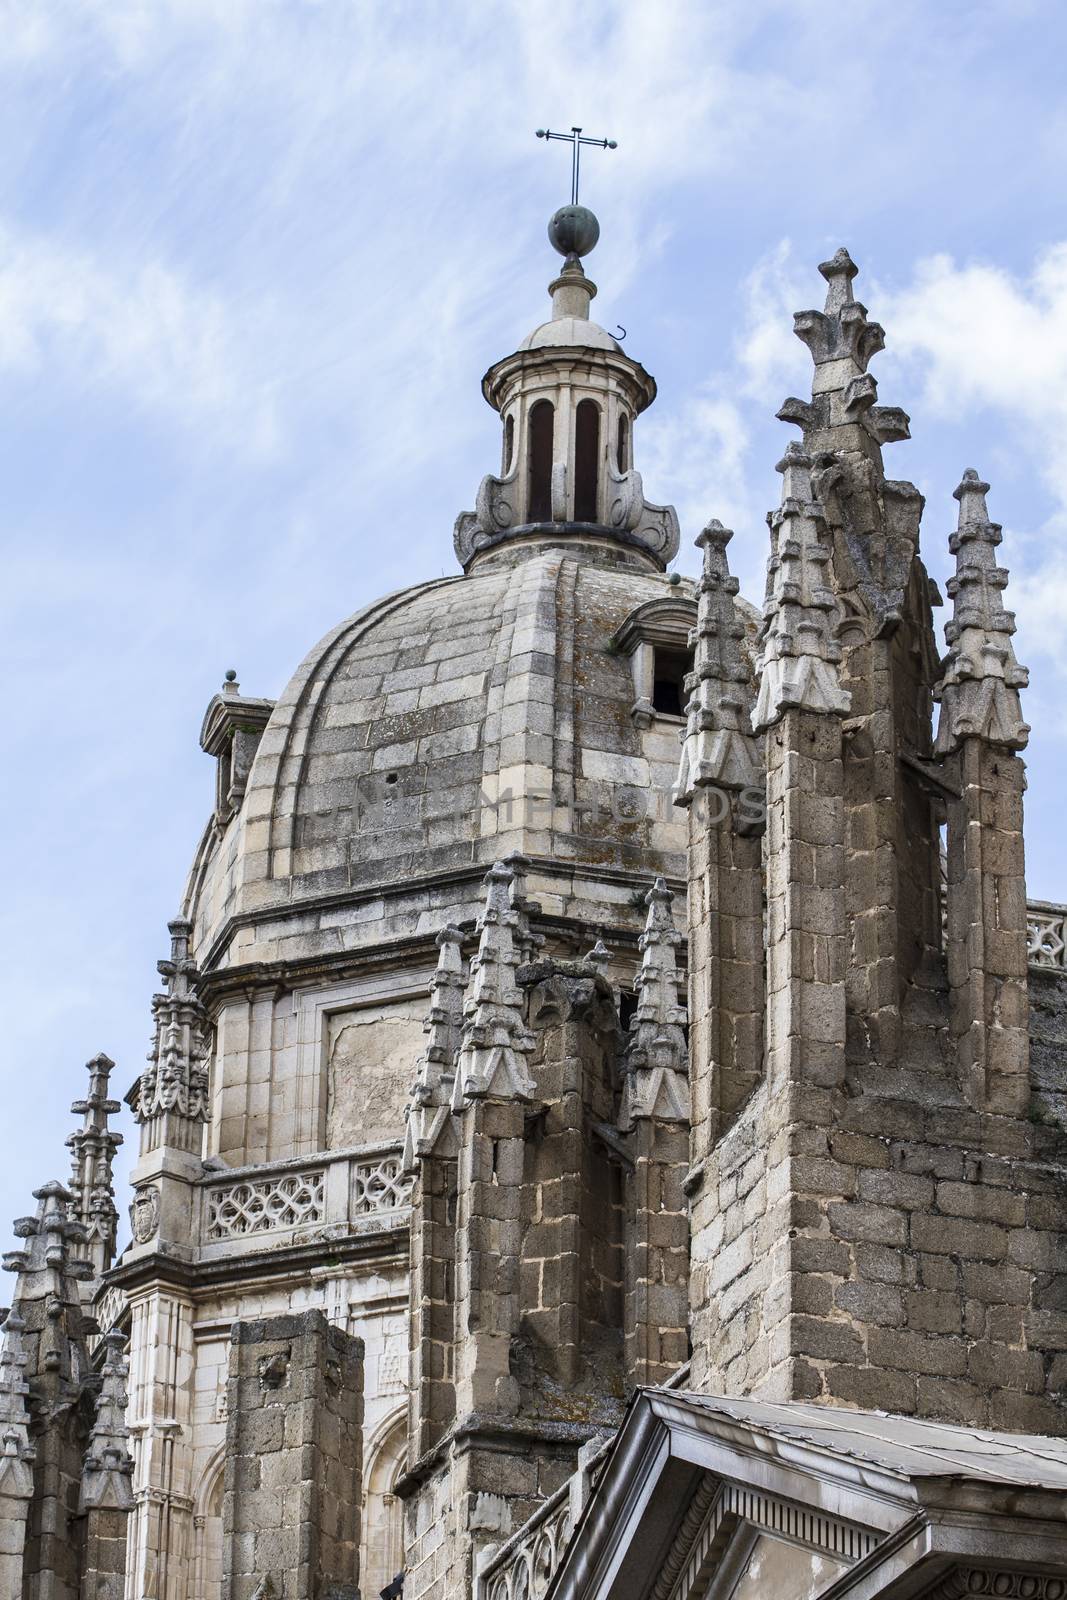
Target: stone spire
[
  {"x": 840, "y": 332},
  {"x": 48, "y": 1268},
  {"x": 92, "y": 1148},
  {"x": 874, "y": 521},
  {"x": 657, "y": 1059},
  {"x": 431, "y": 1093},
  {"x": 799, "y": 657},
  {"x": 496, "y": 1042},
  {"x": 48, "y": 1319},
  {"x": 171, "y": 1099},
  {"x": 981, "y": 679},
  {"x": 16, "y": 1451},
  {"x": 106, "y": 1474},
  {"x": 527, "y": 942},
  {"x": 17, "y": 1455},
  {"x": 718, "y": 748}
]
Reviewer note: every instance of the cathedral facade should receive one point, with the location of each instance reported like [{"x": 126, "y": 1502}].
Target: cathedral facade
[{"x": 606, "y": 1122}]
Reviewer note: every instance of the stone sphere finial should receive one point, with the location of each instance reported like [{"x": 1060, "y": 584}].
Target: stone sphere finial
[
  {"x": 573, "y": 231},
  {"x": 231, "y": 675}
]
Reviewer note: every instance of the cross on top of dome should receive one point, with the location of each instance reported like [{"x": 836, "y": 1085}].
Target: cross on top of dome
[{"x": 574, "y": 230}]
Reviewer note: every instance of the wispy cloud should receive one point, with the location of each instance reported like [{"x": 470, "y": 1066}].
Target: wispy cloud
[
  {"x": 174, "y": 349},
  {"x": 981, "y": 343},
  {"x": 982, "y": 339},
  {"x": 254, "y": 255}
]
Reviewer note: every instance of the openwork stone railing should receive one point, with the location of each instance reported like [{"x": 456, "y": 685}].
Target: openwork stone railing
[
  {"x": 380, "y": 1185},
  {"x": 293, "y": 1201},
  {"x": 263, "y": 1204},
  {"x": 1046, "y": 935},
  {"x": 523, "y": 1567},
  {"x": 109, "y": 1308}
]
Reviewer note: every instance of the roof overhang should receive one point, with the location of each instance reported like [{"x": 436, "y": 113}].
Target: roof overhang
[{"x": 691, "y": 1483}]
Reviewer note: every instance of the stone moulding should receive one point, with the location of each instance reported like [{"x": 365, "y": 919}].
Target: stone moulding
[{"x": 1010, "y": 1585}]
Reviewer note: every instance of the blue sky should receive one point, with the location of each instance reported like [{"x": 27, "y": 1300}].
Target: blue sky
[{"x": 254, "y": 258}]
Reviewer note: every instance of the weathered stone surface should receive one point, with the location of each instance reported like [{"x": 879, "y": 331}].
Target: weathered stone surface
[
  {"x": 294, "y": 1457},
  {"x": 861, "y": 1186}
]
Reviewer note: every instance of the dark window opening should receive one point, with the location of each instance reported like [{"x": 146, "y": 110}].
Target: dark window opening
[
  {"x": 668, "y": 682},
  {"x": 622, "y": 447},
  {"x": 627, "y": 1009},
  {"x": 586, "y": 460},
  {"x": 540, "y": 461},
  {"x": 509, "y": 444}
]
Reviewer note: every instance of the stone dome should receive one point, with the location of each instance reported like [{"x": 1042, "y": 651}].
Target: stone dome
[
  {"x": 438, "y": 730},
  {"x": 529, "y": 707},
  {"x": 568, "y": 332}
]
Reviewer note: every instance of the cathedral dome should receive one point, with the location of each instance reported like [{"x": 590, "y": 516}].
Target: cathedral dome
[
  {"x": 532, "y": 704},
  {"x": 442, "y": 727},
  {"x": 531, "y": 707}
]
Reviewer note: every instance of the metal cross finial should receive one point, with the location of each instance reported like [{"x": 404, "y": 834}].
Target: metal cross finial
[{"x": 575, "y": 140}]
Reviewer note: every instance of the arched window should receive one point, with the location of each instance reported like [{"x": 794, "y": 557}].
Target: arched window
[
  {"x": 542, "y": 419},
  {"x": 509, "y": 443},
  {"x": 622, "y": 445},
  {"x": 207, "y": 1577},
  {"x": 383, "y": 1520},
  {"x": 586, "y": 460}
]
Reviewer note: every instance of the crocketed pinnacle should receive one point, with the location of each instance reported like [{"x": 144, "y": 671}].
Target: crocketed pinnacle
[
  {"x": 657, "y": 1057},
  {"x": 527, "y": 942},
  {"x": 108, "y": 1466},
  {"x": 92, "y": 1148},
  {"x": 599, "y": 958},
  {"x": 431, "y": 1093},
  {"x": 16, "y": 1451},
  {"x": 798, "y": 665},
  {"x": 840, "y": 331},
  {"x": 718, "y": 747},
  {"x": 842, "y": 342},
  {"x": 496, "y": 1042},
  {"x": 981, "y": 679},
  {"x": 48, "y": 1298},
  {"x": 176, "y": 1079}
]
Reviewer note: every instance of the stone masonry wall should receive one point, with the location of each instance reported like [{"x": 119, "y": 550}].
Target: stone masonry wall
[
  {"x": 293, "y": 1486},
  {"x": 864, "y": 1233},
  {"x": 478, "y": 1493}
]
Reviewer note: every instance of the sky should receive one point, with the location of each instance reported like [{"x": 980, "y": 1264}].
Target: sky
[{"x": 254, "y": 258}]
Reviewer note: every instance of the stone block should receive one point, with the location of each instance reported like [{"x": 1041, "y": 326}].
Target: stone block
[
  {"x": 870, "y": 1224},
  {"x": 947, "y": 1235}
]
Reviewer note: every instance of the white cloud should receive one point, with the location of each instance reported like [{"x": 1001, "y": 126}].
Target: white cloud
[
  {"x": 698, "y": 454},
  {"x": 176, "y": 349},
  {"x": 771, "y": 359},
  {"x": 984, "y": 343},
  {"x": 984, "y": 339}
]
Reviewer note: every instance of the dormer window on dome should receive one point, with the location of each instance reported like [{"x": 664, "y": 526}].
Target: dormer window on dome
[
  {"x": 568, "y": 399},
  {"x": 232, "y": 728},
  {"x": 656, "y": 637}
]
